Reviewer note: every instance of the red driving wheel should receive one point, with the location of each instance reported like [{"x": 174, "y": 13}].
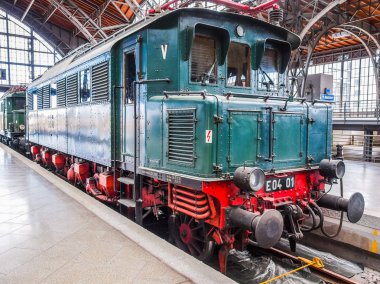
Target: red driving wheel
[{"x": 190, "y": 235}]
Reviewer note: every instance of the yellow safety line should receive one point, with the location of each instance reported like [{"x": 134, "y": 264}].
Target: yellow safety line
[
  {"x": 374, "y": 242},
  {"x": 316, "y": 262}
]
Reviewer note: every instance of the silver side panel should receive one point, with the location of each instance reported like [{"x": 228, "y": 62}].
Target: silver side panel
[
  {"x": 33, "y": 126},
  {"x": 89, "y": 132},
  {"x": 47, "y": 121},
  {"x": 61, "y": 122},
  {"x": 82, "y": 131}
]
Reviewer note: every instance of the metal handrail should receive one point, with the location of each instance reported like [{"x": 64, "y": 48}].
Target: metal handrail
[
  {"x": 187, "y": 93},
  {"x": 357, "y": 109}
]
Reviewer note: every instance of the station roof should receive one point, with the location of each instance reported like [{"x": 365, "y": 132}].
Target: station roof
[
  {"x": 101, "y": 18},
  {"x": 364, "y": 14}
]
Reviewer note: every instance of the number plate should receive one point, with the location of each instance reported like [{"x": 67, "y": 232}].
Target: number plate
[{"x": 276, "y": 184}]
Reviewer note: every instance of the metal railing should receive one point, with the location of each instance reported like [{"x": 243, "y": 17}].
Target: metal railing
[
  {"x": 358, "y": 147},
  {"x": 357, "y": 109}
]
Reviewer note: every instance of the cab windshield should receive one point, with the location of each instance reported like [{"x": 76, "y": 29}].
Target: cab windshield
[
  {"x": 203, "y": 60},
  {"x": 19, "y": 103},
  {"x": 238, "y": 69},
  {"x": 268, "y": 71}
]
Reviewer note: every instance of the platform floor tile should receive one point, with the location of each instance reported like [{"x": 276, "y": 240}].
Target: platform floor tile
[{"x": 47, "y": 237}]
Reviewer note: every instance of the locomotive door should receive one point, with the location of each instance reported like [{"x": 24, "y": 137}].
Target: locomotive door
[
  {"x": 129, "y": 76},
  {"x": 287, "y": 145}
]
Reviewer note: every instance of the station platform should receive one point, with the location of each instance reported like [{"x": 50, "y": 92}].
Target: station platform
[
  {"x": 359, "y": 242},
  {"x": 363, "y": 177},
  {"x": 51, "y": 232}
]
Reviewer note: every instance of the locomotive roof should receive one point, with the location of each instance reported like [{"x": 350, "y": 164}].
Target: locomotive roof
[
  {"x": 79, "y": 56},
  {"x": 14, "y": 91}
]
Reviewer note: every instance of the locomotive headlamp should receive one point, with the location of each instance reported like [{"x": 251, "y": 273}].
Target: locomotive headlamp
[
  {"x": 22, "y": 127},
  {"x": 332, "y": 169},
  {"x": 249, "y": 179}
]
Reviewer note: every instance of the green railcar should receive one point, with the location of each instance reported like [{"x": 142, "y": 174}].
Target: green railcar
[
  {"x": 12, "y": 114},
  {"x": 189, "y": 110}
]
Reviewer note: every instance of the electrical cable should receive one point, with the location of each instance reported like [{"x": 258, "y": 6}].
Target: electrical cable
[{"x": 324, "y": 193}]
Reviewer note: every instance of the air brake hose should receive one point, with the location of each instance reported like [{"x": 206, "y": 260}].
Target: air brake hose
[
  {"x": 319, "y": 213},
  {"x": 341, "y": 218},
  {"x": 312, "y": 227}
]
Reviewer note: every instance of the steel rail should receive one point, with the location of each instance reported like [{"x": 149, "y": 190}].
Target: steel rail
[{"x": 331, "y": 275}]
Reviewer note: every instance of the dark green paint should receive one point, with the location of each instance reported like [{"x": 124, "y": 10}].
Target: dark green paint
[{"x": 242, "y": 136}]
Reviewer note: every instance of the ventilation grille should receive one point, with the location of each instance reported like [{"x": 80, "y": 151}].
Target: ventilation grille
[
  {"x": 39, "y": 98},
  {"x": 46, "y": 96},
  {"x": 30, "y": 101},
  {"x": 61, "y": 92},
  {"x": 181, "y": 125},
  {"x": 100, "y": 82},
  {"x": 72, "y": 89}
]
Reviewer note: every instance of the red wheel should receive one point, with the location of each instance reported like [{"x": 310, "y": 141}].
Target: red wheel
[{"x": 190, "y": 235}]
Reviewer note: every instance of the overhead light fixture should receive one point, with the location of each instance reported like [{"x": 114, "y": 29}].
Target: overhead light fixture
[{"x": 340, "y": 34}]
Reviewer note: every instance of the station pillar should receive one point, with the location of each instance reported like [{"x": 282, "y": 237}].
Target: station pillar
[{"x": 368, "y": 145}]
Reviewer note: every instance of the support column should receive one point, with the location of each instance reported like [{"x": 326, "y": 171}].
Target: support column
[{"x": 368, "y": 145}]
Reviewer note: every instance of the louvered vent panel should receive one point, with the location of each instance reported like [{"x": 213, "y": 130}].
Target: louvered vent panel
[
  {"x": 39, "y": 98},
  {"x": 30, "y": 101},
  {"x": 181, "y": 125},
  {"x": 61, "y": 92},
  {"x": 46, "y": 96},
  {"x": 100, "y": 82},
  {"x": 72, "y": 89}
]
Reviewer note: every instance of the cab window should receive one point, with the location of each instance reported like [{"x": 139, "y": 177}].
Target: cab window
[
  {"x": 85, "y": 86},
  {"x": 267, "y": 74},
  {"x": 19, "y": 103},
  {"x": 204, "y": 63},
  {"x": 129, "y": 76},
  {"x": 238, "y": 69}
]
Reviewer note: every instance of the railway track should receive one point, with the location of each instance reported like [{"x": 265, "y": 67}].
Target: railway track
[{"x": 326, "y": 274}]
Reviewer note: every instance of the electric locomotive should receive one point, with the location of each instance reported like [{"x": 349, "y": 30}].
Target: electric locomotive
[
  {"x": 189, "y": 111},
  {"x": 12, "y": 115}
]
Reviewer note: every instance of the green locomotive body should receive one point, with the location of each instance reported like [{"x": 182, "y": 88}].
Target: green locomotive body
[{"x": 189, "y": 110}]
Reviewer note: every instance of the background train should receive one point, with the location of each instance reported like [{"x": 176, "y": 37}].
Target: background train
[
  {"x": 12, "y": 115},
  {"x": 189, "y": 111}
]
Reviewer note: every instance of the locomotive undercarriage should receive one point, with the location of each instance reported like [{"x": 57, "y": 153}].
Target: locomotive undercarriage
[{"x": 220, "y": 214}]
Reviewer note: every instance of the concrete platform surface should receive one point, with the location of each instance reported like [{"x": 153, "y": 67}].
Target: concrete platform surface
[
  {"x": 362, "y": 177},
  {"x": 46, "y": 236},
  {"x": 359, "y": 242}
]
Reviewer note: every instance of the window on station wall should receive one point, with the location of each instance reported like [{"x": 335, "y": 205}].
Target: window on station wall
[
  {"x": 53, "y": 95},
  {"x": 238, "y": 69},
  {"x": 204, "y": 63},
  {"x": 85, "y": 86},
  {"x": 3, "y": 74},
  {"x": 19, "y": 44}
]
